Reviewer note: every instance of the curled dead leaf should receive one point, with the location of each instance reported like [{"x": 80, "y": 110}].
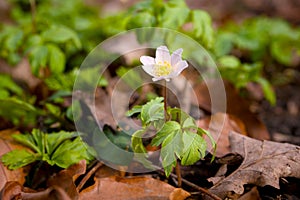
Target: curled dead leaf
[{"x": 265, "y": 162}]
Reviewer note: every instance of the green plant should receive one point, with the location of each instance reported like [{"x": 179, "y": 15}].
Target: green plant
[
  {"x": 62, "y": 149},
  {"x": 176, "y": 131},
  {"x": 179, "y": 136},
  {"x": 262, "y": 43}
]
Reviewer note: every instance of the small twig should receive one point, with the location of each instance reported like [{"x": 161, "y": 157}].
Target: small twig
[
  {"x": 88, "y": 175},
  {"x": 203, "y": 190},
  {"x": 178, "y": 173}
]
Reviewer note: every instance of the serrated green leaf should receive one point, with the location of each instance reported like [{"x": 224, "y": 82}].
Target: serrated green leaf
[
  {"x": 57, "y": 59},
  {"x": 202, "y": 132},
  {"x": 71, "y": 152},
  {"x": 26, "y": 140},
  {"x": 38, "y": 58},
  {"x": 18, "y": 158},
  {"x": 60, "y": 34},
  {"x": 134, "y": 110},
  {"x": 194, "y": 148},
  {"x": 141, "y": 19},
  {"x": 15, "y": 110},
  {"x": 202, "y": 27},
  {"x": 174, "y": 15},
  {"x": 140, "y": 152},
  {"x": 167, "y": 129},
  {"x": 172, "y": 148},
  {"x": 189, "y": 123},
  {"x": 39, "y": 140},
  {"x": 152, "y": 111},
  {"x": 53, "y": 140}
]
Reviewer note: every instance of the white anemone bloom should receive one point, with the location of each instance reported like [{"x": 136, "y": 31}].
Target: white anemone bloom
[{"x": 164, "y": 65}]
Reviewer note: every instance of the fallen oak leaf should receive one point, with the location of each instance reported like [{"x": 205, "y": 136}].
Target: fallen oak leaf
[
  {"x": 65, "y": 179},
  {"x": 264, "y": 163},
  {"x": 137, "y": 188}
]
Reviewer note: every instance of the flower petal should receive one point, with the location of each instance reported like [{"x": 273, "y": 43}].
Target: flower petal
[
  {"x": 149, "y": 69},
  {"x": 147, "y": 60},
  {"x": 180, "y": 67},
  {"x": 176, "y": 57},
  {"x": 162, "y": 54},
  {"x": 160, "y": 78}
]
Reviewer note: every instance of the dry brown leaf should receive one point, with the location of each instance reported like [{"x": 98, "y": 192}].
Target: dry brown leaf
[
  {"x": 65, "y": 179},
  {"x": 13, "y": 190},
  {"x": 219, "y": 125},
  {"x": 236, "y": 105},
  {"x": 60, "y": 186},
  {"x": 7, "y": 144},
  {"x": 264, "y": 163},
  {"x": 136, "y": 188}
]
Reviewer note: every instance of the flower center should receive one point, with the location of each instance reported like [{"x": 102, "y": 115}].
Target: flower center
[{"x": 162, "y": 68}]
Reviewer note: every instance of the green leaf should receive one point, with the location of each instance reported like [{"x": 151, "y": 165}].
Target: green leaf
[
  {"x": 152, "y": 111},
  {"x": 172, "y": 148},
  {"x": 60, "y": 34},
  {"x": 14, "y": 39},
  {"x": 27, "y": 140},
  {"x": 71, "y": 152},
  {"x": 202, "y": 132},
  {"x": 231, "y": 62},
  {"x": 282, "y": 51},
  {"x": 74, "y": 112},
  {"x": 189, "y": 123},
  {"x": 53, "y": 140},
  {"x": 178, "y": 115},
  {"x": 194, "y": 148},
  {"x": 175, "y": 15},
  {"x": 223, "y": 44},
  {"x": 18, "y": 111},
  {"x": 39, "y": 140},
  {"x": 202, "y": 27},
  {"x": 140, "y": 152},
  {"x": 137, "y": 142},
  {"x": 38, "y": 58},
  {"x": 18, "y": 158},
  {"x": 142, "y": 19},
  {"x": 268, "y": 90},
  {"x": 167, "y": 129},
  {"x": 7, "y": 83},
  {"x": 136, "y": 109},
  {"x": 57, "y": 59}
]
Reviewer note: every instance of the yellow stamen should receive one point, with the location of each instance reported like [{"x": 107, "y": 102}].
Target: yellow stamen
[{"x": 162, "y": 69}]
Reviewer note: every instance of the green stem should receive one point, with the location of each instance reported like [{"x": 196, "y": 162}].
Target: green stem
[{"x": 165, "y": 100}]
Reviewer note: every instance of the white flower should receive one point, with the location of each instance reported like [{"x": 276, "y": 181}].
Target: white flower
[{"x": 164, "y": 65}]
